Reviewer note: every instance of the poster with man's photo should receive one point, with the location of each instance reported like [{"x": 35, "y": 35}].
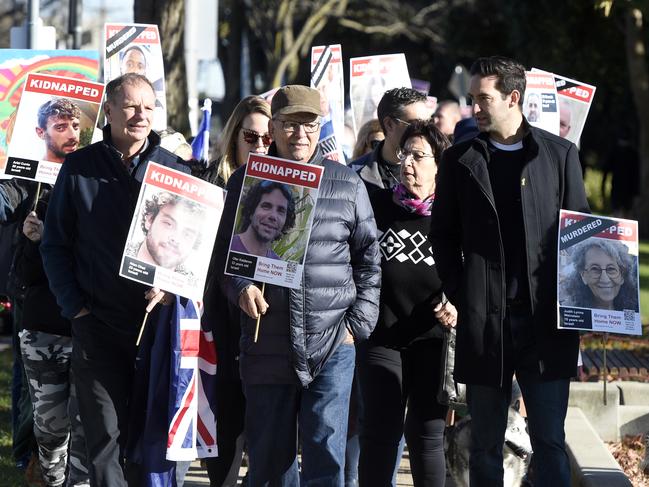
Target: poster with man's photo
[
  {"x": 56, "y": 116},
  {"x": 575, "y": 99},
  {"x": 541, "y": 103},
  {"x": 172, "y": 233},
  {"x": 273, "y": 222},
  {"x": 136, "y": 48},
  {"x": 16, "y": 64},
  {"x": 327, "y": 77},
  {"x": 369, "y": 78},
  {"x": 597, "y": 283}
]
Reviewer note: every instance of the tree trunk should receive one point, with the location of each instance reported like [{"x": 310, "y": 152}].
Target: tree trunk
[
  {"x": 639, "y": 76},
  {"x": 169, "y": 15}
]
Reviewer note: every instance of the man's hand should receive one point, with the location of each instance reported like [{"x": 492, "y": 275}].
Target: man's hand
[
  {"x": 252, "y": 302},
  {"x": 446, "y": 313},
  {"x": 33, "y": 227},
  {"x": 349, "y": 339},
  {"x": 155, "y": 296},
  {"x": 81, "y": 313}
]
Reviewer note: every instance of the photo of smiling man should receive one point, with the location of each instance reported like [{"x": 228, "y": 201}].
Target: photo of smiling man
[{"x": 267, "y": 213}]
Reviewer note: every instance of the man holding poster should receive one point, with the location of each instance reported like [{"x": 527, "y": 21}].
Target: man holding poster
[
  {"x": 87, "y": 223},
  {"x": 300, "y": 369},
  {"x": 495, "y": 221}
]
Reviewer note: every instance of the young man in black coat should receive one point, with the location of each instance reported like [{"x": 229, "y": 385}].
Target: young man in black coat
[{"x": 495, "y": 222}]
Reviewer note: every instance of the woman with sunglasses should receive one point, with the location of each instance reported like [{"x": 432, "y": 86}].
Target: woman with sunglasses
[
  {"x": 399, "y": 366},
  {"x": 369, "y": 136},
  {"x": 246, "y": 131}
]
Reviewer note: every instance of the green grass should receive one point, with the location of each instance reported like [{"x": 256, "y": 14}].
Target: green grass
[{"x": 9, "y": 475}]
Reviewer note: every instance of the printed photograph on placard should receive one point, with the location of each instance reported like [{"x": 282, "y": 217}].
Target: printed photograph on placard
[
  {"x": 597, "y": 285},
  {"x": 370, "y": 77},
  {"x": 540, "y": 104},
  {"x": 56, "y": 116},
  {"x": 172, "y": 232},
  {"x": 16, "y": 64},
  {"x": 136, "y": 48},
  {"x": 273, "y": 221},
  {"x": 575, "y": 100}
]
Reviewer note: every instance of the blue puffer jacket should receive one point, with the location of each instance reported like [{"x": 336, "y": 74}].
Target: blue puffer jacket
[{"x": 340, "y": 284}]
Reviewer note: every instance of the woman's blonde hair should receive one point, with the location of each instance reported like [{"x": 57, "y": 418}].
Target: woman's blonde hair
[
  {"x": 227, "y": 146},
  {"x": 362, "y": 145}
]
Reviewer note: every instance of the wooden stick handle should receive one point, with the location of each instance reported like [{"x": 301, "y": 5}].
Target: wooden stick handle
[
  {"x": 263, "y": 288},
  {"x": 38, "y": 193},
  {"x": 139, "y": 337}
]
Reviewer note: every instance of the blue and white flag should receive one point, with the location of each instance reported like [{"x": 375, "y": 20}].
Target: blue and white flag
[{"x": 201, "y": 143}]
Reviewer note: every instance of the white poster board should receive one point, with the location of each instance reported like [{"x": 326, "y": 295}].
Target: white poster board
[
  {"x": 597, "y": 275},
  {"x": 172, "y": 233},
  {"x": 273, "y": 221}
]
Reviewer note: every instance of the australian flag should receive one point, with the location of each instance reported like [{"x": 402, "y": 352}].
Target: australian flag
[{"x": 176, "y": 366}]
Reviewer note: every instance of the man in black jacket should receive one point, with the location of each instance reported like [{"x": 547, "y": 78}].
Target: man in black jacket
[
  {"x": 86, "y": 226},
  {"x": 495, "y": 222},
  {"x": 300, "y": 370}
]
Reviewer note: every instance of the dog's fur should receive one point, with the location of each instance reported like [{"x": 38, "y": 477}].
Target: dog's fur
[{"x": 517, "y": 450}]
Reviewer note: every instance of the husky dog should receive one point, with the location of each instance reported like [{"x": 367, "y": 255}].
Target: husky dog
[{"x": 517, "y": 450}]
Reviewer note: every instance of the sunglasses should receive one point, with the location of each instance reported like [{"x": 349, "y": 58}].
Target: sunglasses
[{"x": 251, "y": 137}]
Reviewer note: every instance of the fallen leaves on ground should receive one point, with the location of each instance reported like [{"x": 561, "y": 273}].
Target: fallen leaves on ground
[{"x": 629, "y": 453}]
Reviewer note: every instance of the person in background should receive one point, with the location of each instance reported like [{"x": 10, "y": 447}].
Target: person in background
[
  {"x": 245, "y": 132},
  {"x": 399, "y": 366},
  {"x": 369, "y": 136},
  {"x": 397, "y": 109},
  {"x": 446, "y": 116},
  {"x": 46, "y": 347}
]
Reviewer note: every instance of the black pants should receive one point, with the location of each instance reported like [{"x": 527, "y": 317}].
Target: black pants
[
  {"x": 103, "y": 360},
  {"x": 389, "y": 381},
  {"x": 230, "y": 413}
]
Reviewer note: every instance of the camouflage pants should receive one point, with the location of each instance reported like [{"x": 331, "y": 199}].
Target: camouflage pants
[{"x": 57, "y": 424}]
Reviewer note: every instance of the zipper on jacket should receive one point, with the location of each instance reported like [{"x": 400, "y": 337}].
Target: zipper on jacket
[{"x": 503, "y": 283}]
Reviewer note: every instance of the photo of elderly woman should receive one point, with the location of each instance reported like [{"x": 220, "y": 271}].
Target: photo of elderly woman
[{"x": 603, "y": 276}]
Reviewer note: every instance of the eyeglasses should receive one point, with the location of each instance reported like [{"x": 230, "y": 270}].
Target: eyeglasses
[
  {"x": 291, "y": 127},
  {"x": 251, "y": 137},
  {"x": 595, "y": 272},
  {"x": 407, "y": 123},
  {"x": 417, "y": 156}
]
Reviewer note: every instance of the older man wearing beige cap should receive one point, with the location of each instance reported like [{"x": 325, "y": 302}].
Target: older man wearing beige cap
[{"x": 301, "y": 367}]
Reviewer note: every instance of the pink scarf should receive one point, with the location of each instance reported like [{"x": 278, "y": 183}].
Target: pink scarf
[{"x": 411, "y": 203}]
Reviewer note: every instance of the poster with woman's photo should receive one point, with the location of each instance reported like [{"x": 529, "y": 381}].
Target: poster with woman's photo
[
  {"x": 541, "y": 104},
  {"x": 172, "y": 232},
  {"x": 273, "y": 221},
  {"x": 56, "y": 116},
  {"x": 597, "y": 285},
  {"x": 136, "y": 48},
  {"x": 369, "y": 78}
]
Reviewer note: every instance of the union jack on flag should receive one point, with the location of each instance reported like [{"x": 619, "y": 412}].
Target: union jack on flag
[{"x": 192, "y": 429}]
